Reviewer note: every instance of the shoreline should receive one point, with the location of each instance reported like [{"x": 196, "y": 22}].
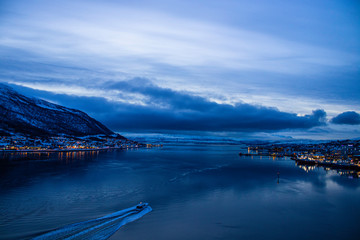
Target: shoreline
[
  {"x": 64, "y": 150},
  {"x": 307, "y": 162},
  {"x": 345, "y": 166}
]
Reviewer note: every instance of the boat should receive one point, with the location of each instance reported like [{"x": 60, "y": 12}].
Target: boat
[
  {"x": 141, "y": 206},
  {"x": 245, "y": 154},
  {"x": 305, "y": 161}
]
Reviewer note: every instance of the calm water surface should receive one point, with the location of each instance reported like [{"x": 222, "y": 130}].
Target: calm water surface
[{"x": 196, "y": 192}]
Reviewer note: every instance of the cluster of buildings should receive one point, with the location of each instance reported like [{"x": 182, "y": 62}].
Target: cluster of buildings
[
  {"x": 63, "y": 143},
  {"x": 335, "y": 154}
]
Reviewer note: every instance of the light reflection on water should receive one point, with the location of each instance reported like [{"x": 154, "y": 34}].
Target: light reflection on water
[{"x": 196, "y": 192}]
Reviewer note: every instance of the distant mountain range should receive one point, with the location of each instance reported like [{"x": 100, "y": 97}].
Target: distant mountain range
[{"x": 36, "y": 117}]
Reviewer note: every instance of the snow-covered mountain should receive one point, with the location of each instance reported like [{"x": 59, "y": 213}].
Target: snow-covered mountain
[{"x": 21, "y": 114}]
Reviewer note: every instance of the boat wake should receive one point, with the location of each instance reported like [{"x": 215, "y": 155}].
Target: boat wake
[
  {"x": 99, "y": 228},
  {"x": 197, "y": 171}
]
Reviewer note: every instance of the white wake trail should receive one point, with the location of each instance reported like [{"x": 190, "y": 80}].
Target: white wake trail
[{"x": 99, "y": 228}]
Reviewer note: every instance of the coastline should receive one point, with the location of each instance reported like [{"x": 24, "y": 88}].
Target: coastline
[
  {"x": 65, "y": 150},
  {"x": 308, "y": 162},
  {"x": 345, "y": 166}
]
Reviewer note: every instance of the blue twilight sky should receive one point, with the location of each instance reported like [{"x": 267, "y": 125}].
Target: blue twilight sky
[{"x": 256, "y": 68}]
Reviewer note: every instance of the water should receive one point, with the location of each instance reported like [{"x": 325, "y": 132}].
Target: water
[{"x": 196, "y": 192}]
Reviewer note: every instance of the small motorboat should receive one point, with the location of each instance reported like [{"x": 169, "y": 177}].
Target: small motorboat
[{"x": 141, "y": 206}]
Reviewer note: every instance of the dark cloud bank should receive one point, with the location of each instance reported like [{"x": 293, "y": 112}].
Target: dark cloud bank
[
  {"x": 167, "y": 109},
  {"x": 350, "y": 118}
]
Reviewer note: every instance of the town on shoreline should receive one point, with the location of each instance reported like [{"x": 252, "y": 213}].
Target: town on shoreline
[
  {"x": 19, "y": 143},
  {"x": 344, "y": 154}
]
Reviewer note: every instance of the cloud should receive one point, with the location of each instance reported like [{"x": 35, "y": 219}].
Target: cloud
[
  {"x": 349, "y": 117},
  {"x": 114, "y": 34},
  {"x": 166, "y": 109}
]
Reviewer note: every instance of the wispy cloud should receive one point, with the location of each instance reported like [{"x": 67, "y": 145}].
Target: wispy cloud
[{"x": 107, "y": 35}]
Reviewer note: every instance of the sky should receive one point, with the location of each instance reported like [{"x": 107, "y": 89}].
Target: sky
[{"x": 248, "y": 69}]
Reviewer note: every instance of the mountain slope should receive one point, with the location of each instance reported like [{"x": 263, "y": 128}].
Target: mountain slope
[{"x": 21, "y": 114}]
